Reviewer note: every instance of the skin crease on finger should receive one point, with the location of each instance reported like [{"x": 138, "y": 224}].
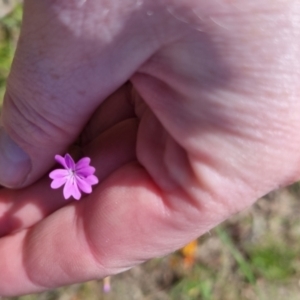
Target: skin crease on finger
[{"x": 218, "y": 128}]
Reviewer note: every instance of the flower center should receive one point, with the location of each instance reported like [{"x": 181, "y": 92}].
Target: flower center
[{"x": 72, "y": 173}]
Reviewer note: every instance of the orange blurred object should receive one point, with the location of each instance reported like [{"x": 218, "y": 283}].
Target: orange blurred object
[{"x": 189, "y": 253}]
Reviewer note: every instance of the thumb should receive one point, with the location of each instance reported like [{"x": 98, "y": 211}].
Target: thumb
[{"x": 59, "y": 77}]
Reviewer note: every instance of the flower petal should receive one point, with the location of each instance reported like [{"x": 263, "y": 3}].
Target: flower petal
[
  {"x": 71, "y": 189},
  {"x": 83, "y": 185},
  {"x": 76, "y": 192},
  {"x": 69, "y": 162},
  {"x": 58, "y": 182},
  {"x": 68, "y": 189},
  {"x": 61, "y": 160},
  {"x": 58, "y": 173},
  {"x": 85, "y": 171},
  {"x": 92, "y": 179},
  {"x": 83, "y": 162}
]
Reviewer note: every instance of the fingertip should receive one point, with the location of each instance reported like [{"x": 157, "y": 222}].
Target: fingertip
[{"x": 15, "y": 164}]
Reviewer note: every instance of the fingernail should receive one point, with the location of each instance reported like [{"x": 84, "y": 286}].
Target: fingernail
[{"x": 14, "y": 162}]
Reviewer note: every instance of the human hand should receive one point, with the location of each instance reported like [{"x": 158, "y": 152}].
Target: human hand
[{"x": 208, "y": 124}]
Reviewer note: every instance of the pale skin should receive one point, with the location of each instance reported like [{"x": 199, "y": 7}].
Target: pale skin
[{"x": 192, "y": 114}]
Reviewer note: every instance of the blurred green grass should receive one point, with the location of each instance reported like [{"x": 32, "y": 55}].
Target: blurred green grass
[
  {"x": 273, "y": 261},
  {"x": 254, "y": 255},
  {"x": 9, "y": 32}
]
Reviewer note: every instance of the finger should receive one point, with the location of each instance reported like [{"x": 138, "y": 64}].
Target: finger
[
  {"x": 23, "y": 208},
  {"x": 116, "y": 108},
  {"x": 126, "y": 221},
  {"x": 123, "y": 223},
  {"x": 63, "y": 69}
]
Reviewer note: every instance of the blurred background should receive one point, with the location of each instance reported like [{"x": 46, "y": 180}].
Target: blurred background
[{"x": 254, "y": 255}]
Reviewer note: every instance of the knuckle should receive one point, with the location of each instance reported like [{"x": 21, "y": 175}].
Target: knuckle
[{"x": 27, "y": 124}]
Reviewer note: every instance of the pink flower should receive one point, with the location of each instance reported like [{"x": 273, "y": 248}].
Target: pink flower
[
  {"x": 106, "y": 285},
  {"x": 77, "y": 177}
]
